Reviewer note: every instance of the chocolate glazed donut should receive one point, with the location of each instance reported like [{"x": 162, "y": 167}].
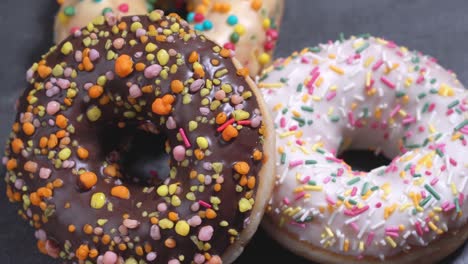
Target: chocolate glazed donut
[{"x": 152, "y": 73}]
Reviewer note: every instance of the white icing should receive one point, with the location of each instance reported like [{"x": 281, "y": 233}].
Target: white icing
[{"x": 394, "y": 116}]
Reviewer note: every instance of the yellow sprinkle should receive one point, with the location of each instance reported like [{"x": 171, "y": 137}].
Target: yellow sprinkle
[
  {"x": 332, "y": 56},
  {"x": 446, "y": 90},
  {"x": 304, "y": 150},
  {"x": 295, "y": 211},
  {"x": 402, "y": 113},
  {"x": 337, "y": 69},
  {"x": 354, "y": 106},
  {"x": 432, "y": 129},
  {"x": 316, "y": 98},
  {"x": 330, "y": 110},
  {"x": 182, "y": 228},
  {"x": 437, "y": 209},
  {"x": 346, "y": 245},
  {"x": 313, "y": 188},
  {"x": 405, "y": 206},
  {"x": 287, "y": 134},
  {"x": 277, "y": 107},
  {"x": 298, "y": 189},
  {"x": 329, "y": 232},
  {"x": 419, "y": 208},
  {"x": 368, "y": 78},
  {"x": 368, "y": 61},
  {"x": 432, "y": 226},
  {"x": 296, "y": 113},
  {"x": 454, "y": 188},
  {"x": 390, "y": 241},
  {"x": 244, "y": 205},
  {"x": 165, "y": 223},
  {"x": 358, "y": 44},
  {"x": 319, "y": 82},
  {"x": 408, "y": 82},
  {"x": 98, "y": 200},
  {"x": 382, "y": 41},
  {"x": 456, "y": 136},
  {"x": 270, "y": 85},
  {"x": 298, "y": 176},
  {"x": 361, "y": 246}
]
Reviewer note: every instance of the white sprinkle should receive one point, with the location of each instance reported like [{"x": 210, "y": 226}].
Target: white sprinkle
[
  {"x": 378, "y": 225},
  {"x": 363, "y": 229},
  {"x": 332, "y": 217}
]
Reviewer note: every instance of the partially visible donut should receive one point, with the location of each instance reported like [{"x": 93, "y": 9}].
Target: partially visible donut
[
  {"x": 151, "y": 72},
  {"x": 362, "y": 93},
  {"x": 75, "y": 14},
  {"x": 248, "y": 27}
]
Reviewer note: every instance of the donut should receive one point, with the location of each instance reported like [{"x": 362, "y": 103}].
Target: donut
[
  {"x": 248, "y": 27},
  {"x": 154, "y": 73},
  {"x": 367, "y": 93},
  {"x": 75, "y": 14}
]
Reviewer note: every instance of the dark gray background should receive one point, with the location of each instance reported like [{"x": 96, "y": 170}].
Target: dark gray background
[{"x": 438, "y": 28}]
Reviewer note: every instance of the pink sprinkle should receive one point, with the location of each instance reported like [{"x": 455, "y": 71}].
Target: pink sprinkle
[
  {"x": 434, "y": 181},
  {"x": 356, "y": 212},
  {"x": 461, "y": 198},
  {"x": 443, "y": 167},
  {"x": 305, "y": 180},
  {"x": 297, "y": 224},
  {"x": 286, "y": 201},
  {"x": 420, "y": 79},
  {"x": 370, "y": 84},
  {"x": 223, "y": 126},
  {"x": 283, "y": 122},
  {"x": 377, "y": 65},
  {"x": 331, "y": 95},
  {"x": 304, "y": 60},
  {"x": 395, "y": 110},
  {"x": 423, "y": 194},
  {"x": 314, "y": 70},
  {"x": 244, "y": 122},
  {"x": 354, "y": 226},
  {"x": 351, "y": 118},
  {"x": 387, "y": 82},
  {"x": 392, "y": 229},
  {"x": 329, "y": 200},
  {"x": 353, "y": 191},
  {"x": 408, "y": 120},
  {"x": 340, "y": 172},
  {"x": 299, "y": 196},
  {"x": 326, "y": 179},
  {"x": 453, "y": 162},
  {"x": 445, "y": 204},
  {"x": 204, "y": 204},
  {"x": 334, "y": 159},
  {"x": 449, "y": 112},
  {"x": 370, "y": 238},
  {"x": 293, "y": 128},
  {"x": 392, "y": 45},
  {"x": 431, "y": 107},
  {"x": 419, "y": 229},
  {"x": 184, "y": 137},
  {"x": 295, "y": 163},
  {"x": 123, "y": 8},
  {"x": 392, "y": 234},
  {"x": 449, "y": 208},
  {"x": 378, "y": 205}
]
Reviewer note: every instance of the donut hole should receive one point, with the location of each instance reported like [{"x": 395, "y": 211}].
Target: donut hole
[
  {"x": 140, "y": 155},
  {"x": 364, "y": 160}
]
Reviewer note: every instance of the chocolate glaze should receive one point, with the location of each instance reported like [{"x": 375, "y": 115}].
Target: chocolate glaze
[{"x": 86, "y": 132}]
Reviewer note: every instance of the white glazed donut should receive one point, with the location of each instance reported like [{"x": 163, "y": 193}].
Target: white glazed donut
[
  {"x": 75, "y": 14},
  {"x": 366, "y": 93}
]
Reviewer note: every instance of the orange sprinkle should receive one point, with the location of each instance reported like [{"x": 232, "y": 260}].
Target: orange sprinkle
[
  {"x": 122, "y": 247},
  {"x": 88, "y": 179},
  {"x": 44, "y": 192},
  {"x": 221, "y": 118},
  {"x": 217, "y": 187},
  {"x": 93, "y": 253},
  {"x": 163, "y": 106},
  {"x": 256, "y": 4},
  {"x": 229, "y": 132},
  {"x": 173, "y": 216},
  {"x": 242, "y": 167},
  {"x": 210, "y": 213},
  {"x": 11, "y": 164},
  {"x": 147, "y": 89},
  {"x": 28, "y": 128},
  {"x": 170, "y": 243},
  {"x": 53, "y": 141},
  {"x": 243, "y": 72},
  {"x": 41, "y": 246},
  {"x": 177, "y": 86},
  {"x": 199, "y": 154},
  {"x": 122, "y": 26},
  {"x": 121, "y": 192},
  {"x": 82, "y": 252},
  {"x": 71, "y": 228},
  {"x": 44, "y": 71},
  {"x": 251, "y": 182},
  {"x": 105, "y": 239},
  {"x": 34, "y": 198},
  {"x": 111, "y": 170},
  {"x": 43, "y": 142},
  {"x": 61, "y": 134},
  {"x": 257, "y": 155},
  {"x": 123, "y": 66},
  {"x": 139, "y": 251},
  {"x": 200, "y": 72},
  {"x": 82, "y": 153},
  {"x": 193, "y": 57},
  {"x": 88, "y": 229},
  {"x": 87, "y": 64},
  {"x": 140, "y": 67},
  {"x": 61, "y": 121},
  {"x": 225, "y": 53},
  {"x": 95, "y": 91},
  {"x": 17, "y": 145}
]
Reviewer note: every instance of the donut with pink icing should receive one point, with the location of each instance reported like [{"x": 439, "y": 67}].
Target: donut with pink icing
[{"x": 368, "y": 93}]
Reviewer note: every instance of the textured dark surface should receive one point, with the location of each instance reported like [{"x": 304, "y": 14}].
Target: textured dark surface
[{"x": 438, "y": 28}]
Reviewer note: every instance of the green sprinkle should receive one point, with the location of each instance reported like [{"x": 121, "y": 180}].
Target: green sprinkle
[
  {"x": 374, "y": 188},
  {"x": 461, "y": 125},
  {"x": 64, "y": 154},
  {"x": 69, "y": 11},
  {"x": 341, "y": 37},
  {"x": 299, "y": 87},
  {"x": 453, "y": 104},
  {"x": 315, "y": 49},
  {"x": 283, "y": 158},
  {"x": 300, "y": 120},
  {"x": 363, "y": 47},
  {"x": 335, "y": 119},
  {"x": 457, "y": 205},
  {"x": 425, "y": 201},
  {"x": 432, "y": 191},
  {"x": 310, "y": 162},
  {"x": 353, "y": 181},
  {"x": 400, "y": 94},
  {"x": 364, "y": 188},
  {"x": 425, "y": 107},
  {"x": 439, "y": 152},
  {"x": 422, "y": 95},
  {"x": 312, "y": 182},
  {"x": 284, "y": 80},
  {"x": 351, "y": 201},
  {"x": 321, "y": 151},
  {"x": 307, "y": 108}
]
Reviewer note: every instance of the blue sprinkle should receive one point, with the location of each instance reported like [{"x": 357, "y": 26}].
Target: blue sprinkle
[
  {"x": 190, "y": 17},
  {"x": 199, "y": 27},
  {"x": 232, "y": 20},
  {"x": 207, "y": 25}
]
